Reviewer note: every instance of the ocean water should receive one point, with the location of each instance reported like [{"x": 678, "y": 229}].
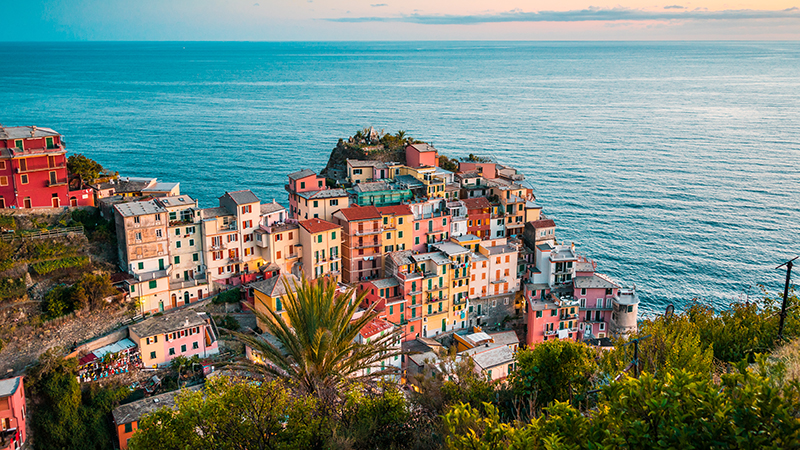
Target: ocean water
[{"x": 675, "y": 166}]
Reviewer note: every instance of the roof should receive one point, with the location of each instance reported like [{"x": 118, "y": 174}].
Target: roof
[
  {"x": 476, "y": 203},
  {"x": 450, "y": 248},
  {"x": 395, "y": 210},
  {"x": 267, "y": 208},
  {"x": 127, "y": 184},
  {"x": 169, "y": 322},
  {"x": 422, "y": 147},
  {"x": 402, "y": 258},
  {"x": 323, "y": 193},
  {"x": 544, "y": 223},
  {"x": 301, "y": 174},
  {"x": 408, "y": 181},
  {"x": 132, "y": 209},
  {"x": 545, "y": 247},
  {"x": 475, "y": 338},
  {"x": 500, "y": 249},
  {"x": 372, "y": 186},
  {"x": 161, "y": 186},
  {"x": 490, "y": 355},
  {"x": 176, "y": 200},
  {"x": 360, "y": 213},
  {"x": 218, "y": 211},
  {"x": 383, "y": 283},
  {"x": 564, "y": 253},
  {"x": 314, "y": 226},
  {"x": 273, "y": 287},
  {"x": 466, "y": 238},
  {"x": 114, "y": 348},
  {"x": 366, "y": 163},
  {"x": 505, "y": 337},
  {"x": 376, "y": 326},
  {"x": 438, "y": 258},
  {"x": 242, "y": 197},
  {"x": 594, "y": 281},
  {"x": 25, "y": 132},
  {"x": 134, "y": 411},
  {"x": 9, "y": 386}
]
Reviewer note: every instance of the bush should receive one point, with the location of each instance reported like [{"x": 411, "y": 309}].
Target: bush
[
  {"x": 87, "y": 169},
  {"x": 230, "y": 296},
  {"x": 45, "y": 267},
  {"x": 228, "y": 322},
  {"x": 89, "y": 291},
  {"x": 11, "y": 288}
]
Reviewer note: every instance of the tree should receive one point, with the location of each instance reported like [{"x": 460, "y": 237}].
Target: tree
[
  {"x": 448, "y": 164},
  {"x": 318, "y": 352},
  {"x": 86, "y": 168},
  {"x": 554, "y": 371},
  {"x": 233, "y": 414}
]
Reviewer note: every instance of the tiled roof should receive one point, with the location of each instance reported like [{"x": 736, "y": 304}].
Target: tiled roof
[
  {"x": 324, "y": 193},
  {"x": 314, "y": 226},
  {"x": 366, "y": 163},
  {"x": 505, "y": 337},
  {"x": 376, "y": 326},
  {"x": 134, "y": 411},
  {"x": 490, "y": 355},
  {"x": 217, "y": 211},
  {"x": 9, "y": 386},
  {"x": 360, "y": 213},
  {"x": 544, "y": 223},
  {"x": 595, "y": 281},
  {"x": 477, "y": 203},
  {"x": 301, "y": 174},
  {"x": 383, "y": 283},
  {"x": 132, "y": 209},
  {"x": 267, "y": 208},
  {"x": 242, "y": 197},
  {"x": 396, "y": 210},
  {"x": 25, "y": 132}
]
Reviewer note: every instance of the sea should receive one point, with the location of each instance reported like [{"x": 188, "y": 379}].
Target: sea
[{"x": 674, "y": 165}]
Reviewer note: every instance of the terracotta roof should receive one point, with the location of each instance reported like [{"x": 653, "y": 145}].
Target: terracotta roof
[
  {"x": 360, "y": 213},
  {"x": 476, "y": 203},
  {"x": 544, "y": 223},
  {"x": 375, "y": 327},
  {"x": 314, "y": 226},
  {"x": 396, "y": 210}
]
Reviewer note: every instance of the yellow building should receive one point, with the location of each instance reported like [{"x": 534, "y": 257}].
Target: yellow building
[
  {"x": 459, "y": 281},
  {"x": 398, "y": 228},
  {"x": 435, "y": 184},
  {"x": 321, "y": 204},
  {"x": 280, "y": 245},
  {"x": 321, "y": 243},
  {"x": 435, "y": 286},
  {"x": 271, "y": 293}
]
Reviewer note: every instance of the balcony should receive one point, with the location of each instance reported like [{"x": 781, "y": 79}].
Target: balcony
[
  {"x": 335, "y": 257},
  {"x": 57, "y": 182},
  {"x": 293, "y": 256},
  {"x": 568, "y": 317},
  {"x": 368, "y": 232},
  {"x": 366, "y": 245},
  {"x": 41, "y": 169},
  {"x": 218, "y": 247},
  {"x": 435, "y": 299},
  {"x": 153, "y": 275}
]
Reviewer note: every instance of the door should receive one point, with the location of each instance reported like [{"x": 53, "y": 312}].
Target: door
[
  {"x": 199, "y": 294},
  {"x": 26, "y": 203},
  {"x": 55, "y": 202},
  {"x": 161, "y": 306},
  {"x": 186, "y": 298},
  {"x": 73, "y": 201},
  {"x": 161, "y": 264},
  {"x": 186, "y": 275}
]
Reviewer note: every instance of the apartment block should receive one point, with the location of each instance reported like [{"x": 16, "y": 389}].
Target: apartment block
[
  {"x": 362, "y": 242},
  {"x": 180, "y": 333},
  {"x": 188, "y": 281},
  {"x": 321, "y": 243},
  {"x": 398, "y": 227},
  {"x": 311, "y": 198}
]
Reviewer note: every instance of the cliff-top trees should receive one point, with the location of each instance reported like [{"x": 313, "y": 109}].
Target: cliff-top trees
[{"x": 319, "y": 352}]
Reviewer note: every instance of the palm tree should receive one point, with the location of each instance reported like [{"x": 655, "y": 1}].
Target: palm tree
[
  {"x": 401, "y": 135},
  {"x": 319, "y": 352}
]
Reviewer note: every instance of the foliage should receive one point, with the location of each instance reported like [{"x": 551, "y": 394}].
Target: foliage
[
  {"x": 62, "y": 416},
  {"x": 375, "y": 418},
  {"x": 42, "y": 249},
  {"x": 476, "y": 159},
  {"x": 89, "y": 291},
  {"x": 233, "y": 295},
  {"x": 681, "y": 409},
  {"x": 11, "y": 288},
  {"x": 228, "y": 322},
  {"x": 7, "y": 222},
  {"x": 675, "y": 343},
  {"x": 233, "y": 414},
  {"x": 319, "y": 352},
  {"x": 554, "y": 370},
  {"x": 6, "y": 255},
  {"x": 96, "y": 227},
  {"x": 45, "y": 267},
  {"x": 86, "y": 168},
  {"x": 448, "y": 164}
]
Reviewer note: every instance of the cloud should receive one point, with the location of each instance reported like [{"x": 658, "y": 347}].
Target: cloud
[
  {"x": 675, "y": 7},
  {"x": 591, "y": 14},
  {"x": 376, "y": 5}
]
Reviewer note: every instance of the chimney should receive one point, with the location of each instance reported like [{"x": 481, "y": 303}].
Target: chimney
[{"x": 33, "y": 131}]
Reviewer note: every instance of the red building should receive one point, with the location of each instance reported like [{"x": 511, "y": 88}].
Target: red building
[
  {"x": 33, "y": 170},
  {"x": 12, "y": 414},
  {"x": 418, "y": 155},
  {"x": 479, "y": 213}
]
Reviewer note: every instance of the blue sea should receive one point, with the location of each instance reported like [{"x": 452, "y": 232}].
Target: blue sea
[{"x": 675, "y": 166}]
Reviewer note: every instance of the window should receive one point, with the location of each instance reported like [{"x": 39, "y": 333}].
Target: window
[
  {"x": 333, "y": 235},
  {"x": 171, "y": 351},
  {"x": 630, "y": 308},
  {"x": 416, "y": 226},
  {"x": 141, "y": 266},
  {"x": 3, "y": 180},
  {"x": 583, "y": 291},
  {"x": 137, "y": 236},
  {"x": 400, "y": 234},
  {"x": 416, "y": 240},
  {"x": 334, "y": 202},
  {"x": 191, "y": 242},
  {"x": 583, "y": 303},
  {"x": 158, "y": 217},
  {"x": 18, "y": 144},
  {"x": 129, "y": 425},
  {"x": 553, "y": 312},
  {"x": 278, "y": 305},
  {"x": 195, "y": 346},
  {"x": 158, "y": 233},
  {"x": 183, "y": 348},
  {"x": 356, "y": 171},
  {"x": 316, "y": 203},
  {"x": 178, "y": 244},
  {"x": 153, "y": 284},
  {"x": 400, "y": 222},
  {"x": 538, "y": 314},
  {"x": 177, "y": 260},
  {"x": 444, "y": 221},
  {"x": 23, "y": 179},
  {"x": 152, "y": 355},
  {"x": 602, "y": 326},
  {"x": 302, "y": 185}
]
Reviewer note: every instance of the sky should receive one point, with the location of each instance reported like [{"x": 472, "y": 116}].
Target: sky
[{"x": 406, "y": 20}]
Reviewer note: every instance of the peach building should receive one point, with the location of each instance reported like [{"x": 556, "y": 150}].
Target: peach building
[
  {"x": 362, "y": 242},
  {"x": 310, "y": 197},
  {"x": 181, "y": 333},
  {"x": 398, "y": 227},
  {"x": 321, "y": 243},
  {"x": 271, "y": 294}
]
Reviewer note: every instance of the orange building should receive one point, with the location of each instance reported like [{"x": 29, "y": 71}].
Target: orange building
[{"x": 362, "y": 240}]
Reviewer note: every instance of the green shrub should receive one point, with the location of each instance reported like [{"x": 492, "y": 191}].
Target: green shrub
[
  {"x": 45, "y": 267},
  {"x": 228, "y": 322},
  {"x": 11, "y": 288},
  {"x": 230, "y": 296}
]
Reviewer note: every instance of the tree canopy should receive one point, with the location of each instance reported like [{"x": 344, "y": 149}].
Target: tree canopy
[{"x": 87, "y": 169}]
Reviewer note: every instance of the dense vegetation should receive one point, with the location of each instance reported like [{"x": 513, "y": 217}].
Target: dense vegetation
[
  {"x": 86, "y": 168},
  {"x": 88, "y": 292}
]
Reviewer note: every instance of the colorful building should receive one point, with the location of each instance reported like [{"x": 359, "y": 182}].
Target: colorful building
[
  {"x": 310, "y": 197},
  {"x": 13, "y": 414},
  {"x": 33, "y": 168},
  {"x": 479, "y": 212},
  {"x": 271, "y": 294},
  {"x": 362, "y": 242},
  {"x": 398, "y": 227},
  {"x": 419, "y": 155},
  {"x": 188, "y": 281},
  {"x": 126, "y": 417},
  {"x": 180, "y": 333},
  {"x": 321, "y": 242},
  {"x": 381, "y": 193}
]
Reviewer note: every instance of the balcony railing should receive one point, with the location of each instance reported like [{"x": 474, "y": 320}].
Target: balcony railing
[
  {"x": 368, "y": 232},
  {"x": 57, "y": 182},
  {"x": 367, "y": 245},
  {"x": 41, "y": 169}
]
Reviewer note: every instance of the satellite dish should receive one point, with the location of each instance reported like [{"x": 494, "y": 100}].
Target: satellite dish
[{"x": 670, "y": 311}]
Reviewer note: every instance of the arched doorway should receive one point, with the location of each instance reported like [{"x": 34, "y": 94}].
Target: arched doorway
[
  {"x": 73, "y": 201},
  {"x": 174, "y": 300}
]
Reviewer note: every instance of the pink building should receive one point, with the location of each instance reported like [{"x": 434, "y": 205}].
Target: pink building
[
  {"x": 418, "y": 155},
  {"x": 486, "y": 170},
  {"x": 305, "y": 180},
  {"x": 550, "y": 315},
  {"x": 12, "y": 414},
  {"x": 596, "y": 294},
  {"x": 180, "y": 333}
]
